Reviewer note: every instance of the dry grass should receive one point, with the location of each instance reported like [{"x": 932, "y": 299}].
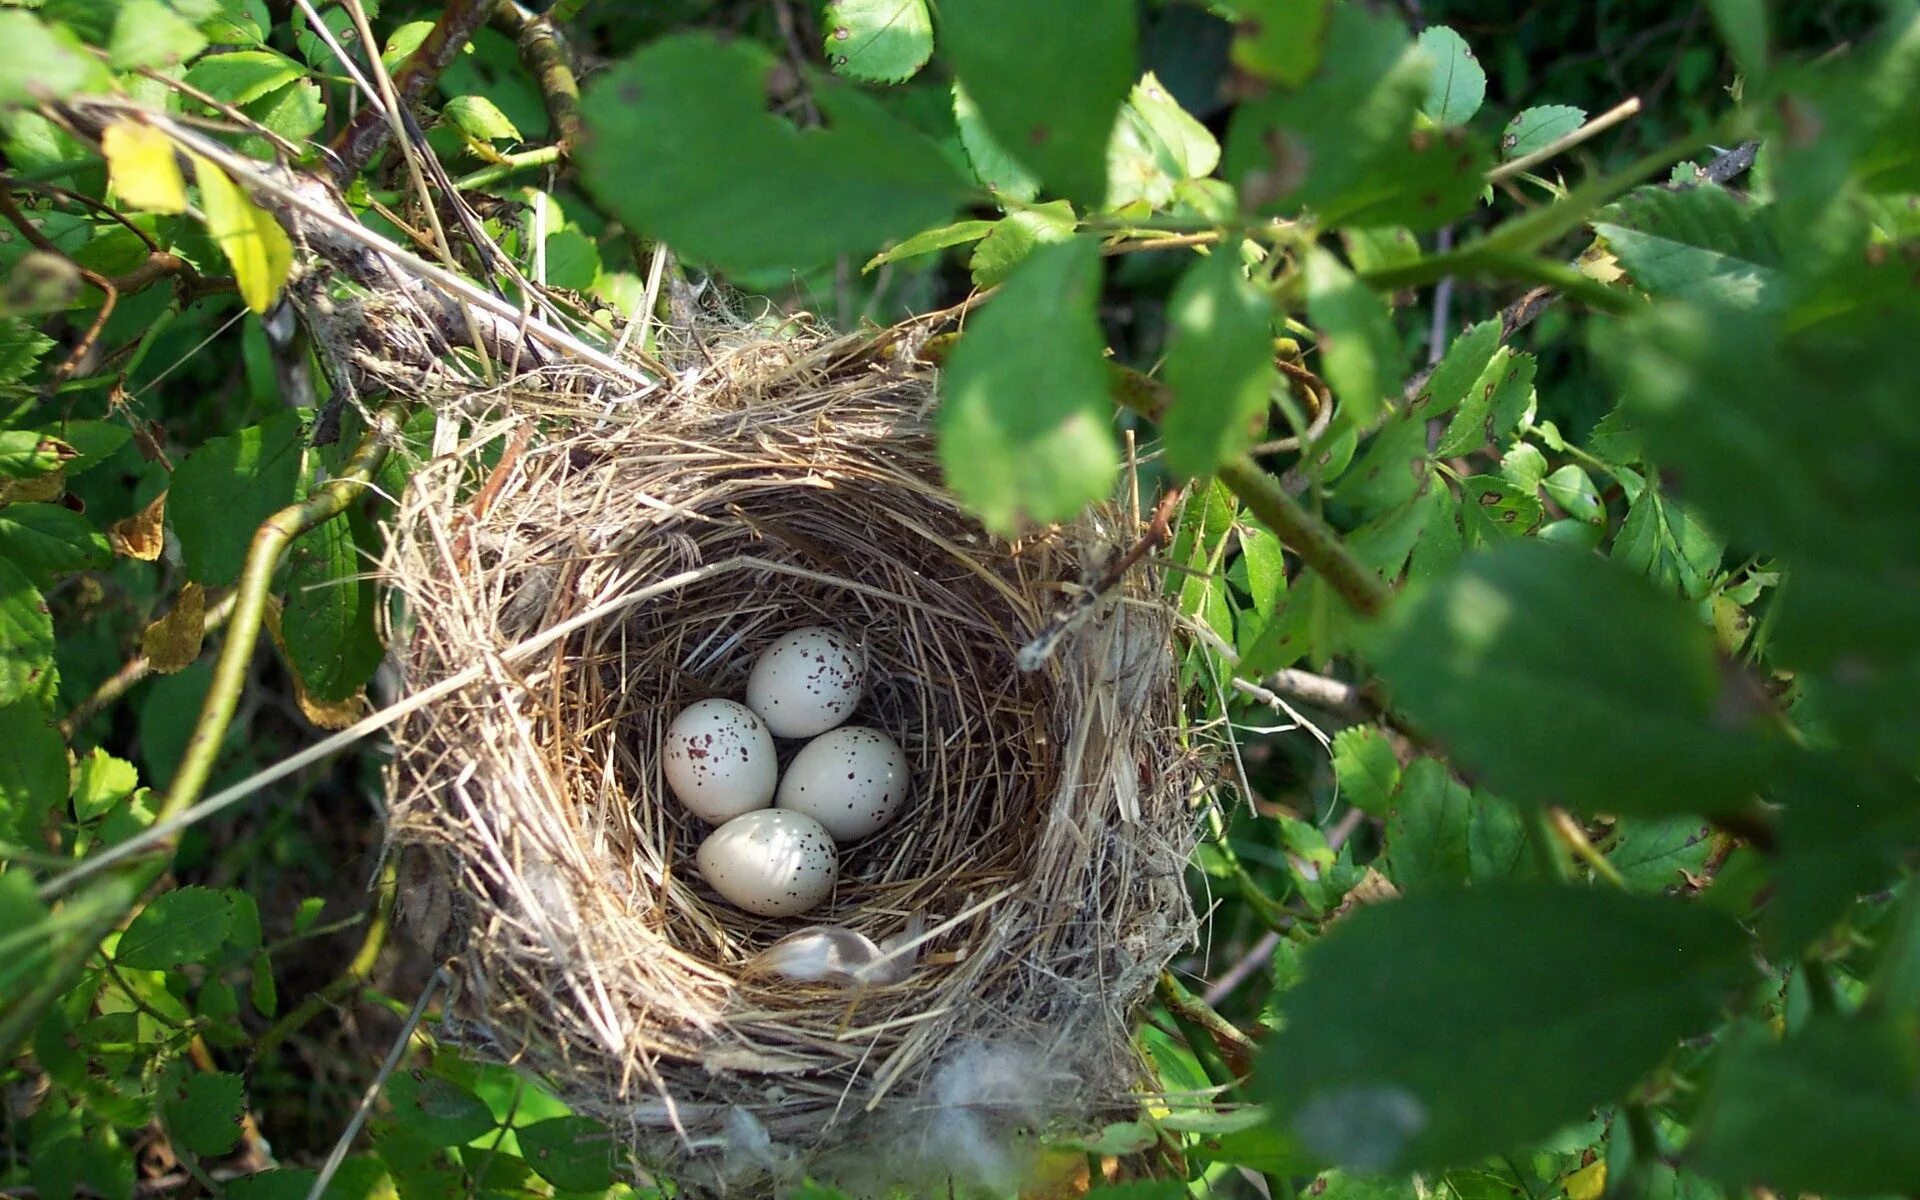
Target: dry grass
[{"x": 783, "y": 481}]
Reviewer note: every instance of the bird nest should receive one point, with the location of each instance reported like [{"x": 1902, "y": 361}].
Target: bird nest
[{"x": 974, "y": 976}]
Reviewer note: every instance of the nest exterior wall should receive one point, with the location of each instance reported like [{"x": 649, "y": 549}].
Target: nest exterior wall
[{"x": 1042, "y": 849}]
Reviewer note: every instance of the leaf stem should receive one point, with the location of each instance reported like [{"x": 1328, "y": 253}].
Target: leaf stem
[
  {"x": 508, "y": 166},
  {"x": 1235, "y": 1047}
]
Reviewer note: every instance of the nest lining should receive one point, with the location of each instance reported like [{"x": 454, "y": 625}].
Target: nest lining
[{"x": 788, "y": 482}]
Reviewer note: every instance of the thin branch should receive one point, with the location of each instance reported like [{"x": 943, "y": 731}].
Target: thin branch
[
  {"x": 133, "y": 671},
  {"x": 1600, "y": 124},
  {"x": 368, "y": 130},
  {"x": 1344, "y": 699},
  {"x": 544, "y": 51},
  {"x": 1235, "y": 1047},
  {"x": 356, "y": 973}
]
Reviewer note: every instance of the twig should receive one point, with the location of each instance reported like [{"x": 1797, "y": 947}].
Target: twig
[
  {"x": 544, "y": 51},
  {"x": 1583, "y": 848},
  {"x": 368, "y": 130},
  {"x": 1036, "y": 651},
  {"x": 133, "y": 671},
  {"x": 1345, "y": 699},
  {"x": 1174, "y": 242},
  {"x": 1600, "y": 124},
  {"x": 509, "y": 166},
  {"x": 400, "y": 1043},
  {"x": 356, "y": 973},
  {"x": 1236, "y": 1048},
  {"x": 1257, "y": 956}
]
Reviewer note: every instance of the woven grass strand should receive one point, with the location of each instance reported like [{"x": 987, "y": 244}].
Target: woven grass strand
[{"x": 1042, "y": 848}]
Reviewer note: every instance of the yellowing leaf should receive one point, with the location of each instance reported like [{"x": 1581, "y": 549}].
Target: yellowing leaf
[
  {"x": 173, "y": 642},
  {"x": 1588, "y": 1182},
  {"x": 261, "y": 254},
  {"x": 325, "y": 714},
  {"x": 140, "y": 161},
  {"x": 143, "y": 534}
]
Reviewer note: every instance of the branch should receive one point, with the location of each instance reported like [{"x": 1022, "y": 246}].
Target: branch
[
  {"x": 349, "y": 981},
  {"x": 356, "y": 145},
  {"x": 133, "y": 671},
  {"x": 544, "y": 52},
  {"x": 1235, "y": 1047}
]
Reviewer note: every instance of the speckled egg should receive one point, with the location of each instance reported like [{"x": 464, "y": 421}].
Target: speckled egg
[
  {"x": 851, "y": 780},
  {"x": 807, "y": 682},
  {"x": 773, "y": 863},
  {"x": 719, "y": 760}
]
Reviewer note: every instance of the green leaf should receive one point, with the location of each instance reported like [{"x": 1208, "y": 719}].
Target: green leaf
[
  {"x": 1540, "y": 665},
  {"x": 1138, "y": 1189},
  {"x": 25, "y": 453},
  {"x": 332, "y": 606},
  {"x": 243, "y": 76},
  {"x": 185, "y": 925},
  {"x": 1426, "y": 843},
  {"x": 957, "y": 234},
  {"x": 1281, "y": 40},
  {"x": 295, "y": 112},
  {"x": 1191, "y": 146},
  {"x": 167, "y": 716},
  {"x": 992, "y": 165},
  {"x": 1572, "y": 489},
  {"x": 1265, "y": 567},
  {"x": 1536, "y": 128},
  {"x": 1219, "y": 364},
  {"x": 93, "y": 442},
  {"x": 49, "y": 538},
  {"x": 42, "y": 61},
  {"x": 574, "y": 1154},
  {"x": 1656, "y": 853},
  {"x": 1365, "y": 768},
  {"x": 1014, "y": 237},
  {"x": 437, "y": 1110},
  {"x": 1049, "y": 100},
  {"x": 682, "y": 145},
  {"x": 1743, "y": 27},
  {"x": 250, "y": 237},
  {"x": 21, "y": 347},
  {"x": 1496, "y": 840},
  {"x": 1459, "y": 370},
  {"x": 878, "y": 41},
  {"x": 1458, "y": 84},
  {"x": 1534, "y": 1003},
  {"x": 100, "y": 782},
  {"x": 1493, "y": 510},
  {"x": 1492, "y": 406},
  {"x": 1834, "y": 1109},
  {"x": 33, "y": 771},
  {"x": 204, "y": 1110},
  {"x": 1663, "y": 542},
  {"x": 1341, "y": 133},
  {"x": 226, "y": 488},
  {"x": 1703, "y": 243},
  {"x": 1846, "y": 828},
  {"x": 1360, "y": 351},
  {"x": 1025, "y": 420},
  {"x": 26, "y": 635},
  {"x": 1524, "y": 467},
  {"x": 150, "y": 34},
  {"x": 481, "y": 118}
]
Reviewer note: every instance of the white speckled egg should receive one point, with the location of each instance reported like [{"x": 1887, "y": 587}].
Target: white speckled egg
[
  {"x": 773, "y": 863},
  {"x": 850, "y": 779},
  {"x": 807, "y": 682},
  {"x": 719, "y": 760}
]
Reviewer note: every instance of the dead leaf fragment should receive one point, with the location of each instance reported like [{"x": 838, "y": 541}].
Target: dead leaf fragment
[
  {"x": 144, "y": 534},
  {"x": 1373, "y": 888},
  {"x": 173, "y": 642}
]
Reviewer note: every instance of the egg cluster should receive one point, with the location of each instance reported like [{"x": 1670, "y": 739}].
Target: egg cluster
[{"x": 844, "y": 784}]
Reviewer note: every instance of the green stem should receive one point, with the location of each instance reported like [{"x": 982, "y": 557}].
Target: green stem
[
  {"x": 509, "y": 166},
  {"x": 350, "y": 980},
  {"x": 544, "y": 52},
  {"x": 1546, "y": 846},
  {"x": 1235, "y": 1047}
]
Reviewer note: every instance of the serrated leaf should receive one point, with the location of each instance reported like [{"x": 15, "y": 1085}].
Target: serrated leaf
[
  {"x": 1049, "y": 100},
  {"x": 100, "y": 782},
  {"x": 226, "y": 488},
  {"x": 185, "y": 925},
  {"x": 21, "y": 347},
  {"x": 260, "y": 251},
  {"x": 1361, "y": 355},
  {"x": 574, "y": 1154},
  {"x": 173, "y": 642},
  {"x": 1524, "y": 466},
  {"x": 1494, "y": 510},
  {"x": 141, "y": 164},
  {"x": 1667, "y": 545},
  {"x": 683, "y": 147},
  {"x": 1536, "y": 664},
  {"x": 33, "y": 771},
  {"x": 1342, "y": 131},
  {"x": 295, "y": 112},
  {"x": 999, "y": 171},
  {"x": 204, "y": 1110},
  {"x": 928, "y": 241},
  {"x": 243, "y": 76},
  {"x": 329, "y": 622},
  {"x": 1281, "y": 40},
  {"x": 1194, "y": 151},
  {"x": 1458, "y": 84},
  {"x": 878, "y": 41},
  {"x": 26, "y": 635},
  {"x": 1492, "y": 406},
  {"x": 1025, "y": 420},
  {"x": 47, "y": 539},
  {"x": 1832, "y": 1110},
  {"x": 1656, "y": 853},
  {"x": 1535, "y": 1003},
  {"x": 1462, "y": 366},
  {"x": 1537, "y": 128},
  {"x": 148, "y": 33},
  {"x": 480, "y": 117},
  {"x": 1015, "y": 236},
  {"x": 1365, "y": 768},
  {"x": 1702, "y": 243},
  {"x": 1426, "y": 839},
  {"x": 1219, "y": 364},
  {"x": 403, "y": 41},
  {"x": 1265, "y": 566}
]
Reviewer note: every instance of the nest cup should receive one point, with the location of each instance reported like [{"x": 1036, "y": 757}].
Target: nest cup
[{"x": 615, "y": 564}]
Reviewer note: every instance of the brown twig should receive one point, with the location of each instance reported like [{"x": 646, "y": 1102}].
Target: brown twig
[
  {"x": 368, "y": 130},
  {"x": 1159, "y": 529}
]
